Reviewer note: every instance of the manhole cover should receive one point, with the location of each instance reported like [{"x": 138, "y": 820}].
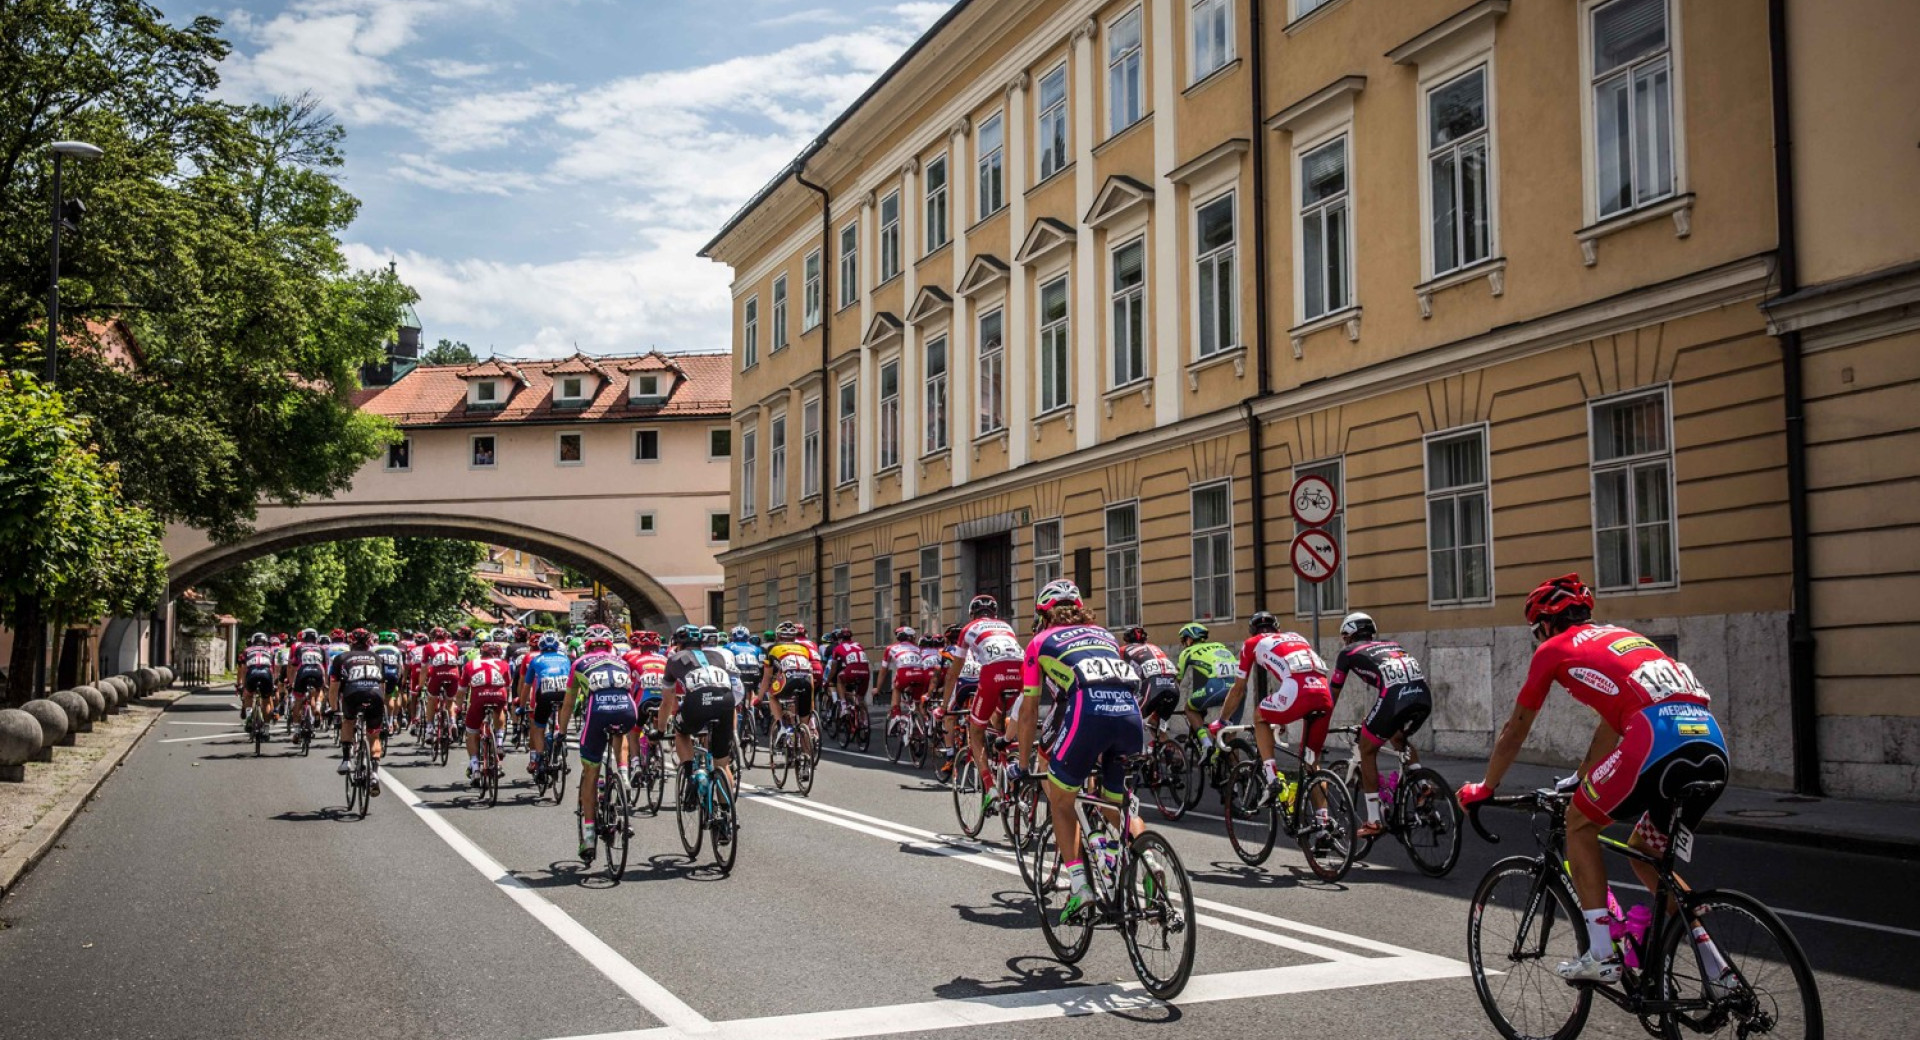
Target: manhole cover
[{"x": 1761, "y": 814}]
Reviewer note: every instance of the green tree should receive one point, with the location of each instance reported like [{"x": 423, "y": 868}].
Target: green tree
[
  {"x": 449, "y": 352},
  {"x": 435, "y": 582},
  {"x": 70, "y": 545}
]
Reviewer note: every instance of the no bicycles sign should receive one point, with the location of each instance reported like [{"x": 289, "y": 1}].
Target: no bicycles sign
[{"x": 1315, "y": 555}]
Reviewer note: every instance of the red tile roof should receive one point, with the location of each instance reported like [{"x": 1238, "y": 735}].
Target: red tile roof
[{"x": 436, "y": 395}]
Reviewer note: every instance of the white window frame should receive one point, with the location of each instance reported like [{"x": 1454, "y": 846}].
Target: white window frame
[
  {"x": 1222, "y": 579},
  {"x": 749, "y": 470},
  {"x": 1454, "y": 495},
  {"x": 644, "y": 387},
  {"x": 750, "y": 332},
  {"x": 850, "y": 263},
  {"x": 473, "y": 450},
  {"x": 810, "y": 430},
  {"x": 842, "y": 595},
  {"x": 990, "y": 170},
  {"x": 1124, "y": 341},
  {"x": 1343, "y": 136},
  {"x": 646, "y": 523},
  {"x": 1123, "y": 598},
  {"x": 931, "y": 590},
  {"x": 1197, "y": 10},
  {"x": 405, "y": 446},
  {"x": 847, "y": 432},
  {"x": 1126, "y": 73},
  {"x": 1227, "y": 256},
  {"x": 570, "y": 388},
  {"x": 937, "y": 226},
  {"x": 1055, "y": 114},
  {"x": 890, "y": 237},
  {"x": 1336, "y": 525},
  {"x": 811, "y": 304},
  {"x": 882, "y": 600},
  {"x": 937, "y": 408},
  {"x": 1298, "y": 9},
  {"x": 887, "y": 413},
  {"x": 779, "y": 332},
  {"x": 1433, "y": 80},
  {"x": 990, "y": 358},
  {"x": 1631, "y": 465},
  {"x": 1589, "y": 127},
  {"x": 657, "y": 452},
  {"x": 1054, "y": 341},
  {"x": 486, "y": 392},
  {"x": 1049, "y": 561},
  {"x": 560, "y": 438},
  {"x": 776, "y": 462},
  {"x": 711, "y": 456}
]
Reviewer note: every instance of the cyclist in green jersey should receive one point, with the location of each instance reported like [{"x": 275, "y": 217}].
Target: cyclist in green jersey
[{"x": 1206, "y": 671}]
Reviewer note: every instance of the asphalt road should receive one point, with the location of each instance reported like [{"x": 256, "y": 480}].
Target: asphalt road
[{"x": 207, "y": 893}]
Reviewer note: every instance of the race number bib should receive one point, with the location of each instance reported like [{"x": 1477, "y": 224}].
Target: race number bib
[
  {"x": 1662, "y": 679},
  {"x": 1104, "y": 671}
]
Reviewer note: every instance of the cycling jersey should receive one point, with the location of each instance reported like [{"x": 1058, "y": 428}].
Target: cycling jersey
[
  {"x": 281, "y": 656},
  {"x": 488, "y": 684},
  {"x": 848, "y": 660},
  {"x": 391, "y": 660},
  {"x": 795, "y": 667},
  {"x": 1612, "y": 670},
  {"x": 1092, "y": 683},
  {"x": 650, "y": 680},
  {"x": 992, "y": 652},
  {"x": 362, "y": 686},
  {"x": 334, "y": 650},
  {"x": 443, "y": 667},
  {"x": 1299, "y": 688},
  {"x": 309, "y": 663},
  {"x": 1207, "y": 670},
  {"x": 606, "y": 683},
  {"x": 546, "y": 674},
  {"x": 257, "y": 668},
  {"x": 908, "y": 669},
  {"x": 416, "y": 656},
  {"x": 1159, "y": 687},
  {"x": 749, "y": 659},
  {"x": 705, "y": 687},
  {"x": 1405, "y": 700}
]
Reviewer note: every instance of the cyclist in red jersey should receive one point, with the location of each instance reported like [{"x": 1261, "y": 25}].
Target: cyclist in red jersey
[
  {"x": 440, "y": 676},
  {"x": 488, "y": 683},
  {"x": 1297, "y": 688},
  {"x": 903, "y": 670},
  {"x": 1655, "y": 736},
  {"x": 991, "y": 650},
  {"x": 848, "y": 670}
]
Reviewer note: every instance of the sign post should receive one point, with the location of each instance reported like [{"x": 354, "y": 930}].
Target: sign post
[{"x": 1314, "y": 554}]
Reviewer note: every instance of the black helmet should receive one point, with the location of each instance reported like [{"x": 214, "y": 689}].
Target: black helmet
[
  {"x": 983, "y": 605},
  {"x": 1136, "y": 634},
  {"x": 1263, "y": 621},
  {"x": 257, "y": 639}
]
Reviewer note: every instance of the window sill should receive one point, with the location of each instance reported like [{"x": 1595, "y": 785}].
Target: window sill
[
  {"x": 1048, "y": 179},
  {"x": 1142, "y": 386},
  {"x": 1235, "y": 355},
  {"x": 646, "y": 462},
  {"x": 773, "y": 512},
  {"x": 1058, "y": 413},
  {"x": 807, "y": 499},
  {"x": 1211, "y": 78},
  {"x": 1348, "y": 317},
  {"x": 984, "y": 221},
  {"x": 845, "y": 306},
  {"x": 1679, "y": 207},
  {"x": 888, "y": 280},
  {"x": 807, "y": 328},
  {"x": 572, "y": 464},
  {"x": 1463, "y": 604},
  {"x": 1101, "y": 148},
  {"x": 937, "y": 455},
  {"x": 1309, "y": 18},
  {"x": 1648, "y": 589},
  {"x": 935, "y": 251},
  {"x": 1494, "y": 271},
  {"x": 1000, "y": 435},
  {"x": 776, "y": 348}
]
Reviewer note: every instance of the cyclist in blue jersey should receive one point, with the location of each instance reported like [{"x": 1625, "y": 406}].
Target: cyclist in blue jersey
[
  {"x": 1098, "y": 718},
  {"x": 543, "y": 677}
]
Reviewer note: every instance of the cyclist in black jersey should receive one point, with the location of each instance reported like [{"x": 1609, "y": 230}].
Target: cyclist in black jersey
[{"x": 1402, "y": 708}]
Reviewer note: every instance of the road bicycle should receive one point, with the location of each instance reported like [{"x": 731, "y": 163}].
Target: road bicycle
[
  {"x": 746, "y": 744},
  {"x": 1525, "y": 918},
  {"x": 550, "y": 776},
  {"x": 1166, "y": 771},
  {"x": 257, "y": 725},
  {"x": 359, "y": 778},
  {"x": 491, "y": 765},
  {"x": 1417, "y": 806},
  {"x": 517, "y": 728},
  {"x": 786, "y": 757},
  {"x": 300, "y": 722},
  {"x": 439, "y": 737},
  {"x": 971, "y": 802},
  {"x": 1310, "y": 804},
  {"x": 648, "y": 766},
  {"x": 1139, "y": 888},
  {"x": 854, "y": 725},
  {"x": 704, "y": 806},
  {"x": 612, "y": 816},
  {"x": 1211, "y": 767},
  {"x": 910, "y": 734}
]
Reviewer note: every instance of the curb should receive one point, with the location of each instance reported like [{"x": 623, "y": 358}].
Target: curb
[
  {"x": 1807, "y": 837},
  {"x": 41, "y": 837}
]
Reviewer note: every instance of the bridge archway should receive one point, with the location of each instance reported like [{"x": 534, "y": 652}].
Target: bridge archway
[{"x": 651, "y": 603}]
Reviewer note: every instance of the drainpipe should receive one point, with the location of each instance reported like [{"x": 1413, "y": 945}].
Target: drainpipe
[
  {"x": 827, "y": 263},
  {"x": 1801, "y": 682},
  {"x": 1256, "y": 440}
]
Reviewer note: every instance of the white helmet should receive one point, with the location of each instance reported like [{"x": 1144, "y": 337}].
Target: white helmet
[{"x": 1356, "y": 625}]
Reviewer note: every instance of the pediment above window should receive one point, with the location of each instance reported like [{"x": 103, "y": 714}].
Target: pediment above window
[
  {"x": 983, "y": 273},
  {"x": 883, "y": 329},
  {"x": 930, "y": 303},
  {"x": 1118, "y": 197},
  {"x": 1046, "y": 235}
]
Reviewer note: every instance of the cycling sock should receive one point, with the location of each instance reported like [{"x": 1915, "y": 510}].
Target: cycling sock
[
  {"x": 1373, "y": 808},
  {"x": 1272, "y": 773},
  {"x": 1599, "y": 937}
]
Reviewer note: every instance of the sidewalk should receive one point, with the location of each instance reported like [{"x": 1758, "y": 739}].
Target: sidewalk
[{"x": 1843, "y": 825}]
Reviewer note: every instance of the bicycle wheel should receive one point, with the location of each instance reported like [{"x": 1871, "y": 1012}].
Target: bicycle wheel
[
  {"x": 1349, "y": 772},
  {"x": 1327, "y": 841},
  {"x": 689, "y": 816},
  {"x": 562, "y": 768},
  {"x": 490, "y": 767},
  {"x": 725, "y": 825},
  {"x": 257, "y": 725},
  {"x": 743, "y": 740},
  {"x": 1429, "y": 821},
  {"x": 655, "y": 779},
  {"x": 1023, "y": 812},
  {"x": 803, "y": 768},
  {"x": 780, "y": 758},
  {"x": 1521, "y": 923},
  {"x": 1169, "y": 788},
  {"x": 616, "y": 828},
  {"x": 1156, "y": 916},
  {"x": 1050, "y": 885},
  {"x": 363, "y": 769},
  {"x": 1196, "y": 772},
  {"x": 1770, "y": 989},
  {"x": 863, "y": 734},
  {"x": 1253, "y": 819},
  {"x": 896, "y": 738},
  {"x": 969, "y": 805}
]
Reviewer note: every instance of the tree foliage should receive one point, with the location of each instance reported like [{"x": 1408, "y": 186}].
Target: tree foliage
[
  {"x": 449, "y": 352},
  {"x": 377, "y": 582}
]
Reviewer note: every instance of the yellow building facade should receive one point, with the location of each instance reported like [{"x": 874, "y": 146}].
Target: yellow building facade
[{"x": 1080, "y": 289}]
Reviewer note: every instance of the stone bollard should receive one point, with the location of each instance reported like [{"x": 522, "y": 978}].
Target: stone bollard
[
  {"x": 96, "y": 702},
  {"x": 122, "y": 688},
  {"x": 55, "y": 728},
  {"x": 111, "y": 691},
  {"x": 20, "y": 737},
  {"x": 149, "y": 680},
  {"x": 79, "y": 716},
  {"x": 166, "y": 676},
  {"x": 132, "y": 679}
]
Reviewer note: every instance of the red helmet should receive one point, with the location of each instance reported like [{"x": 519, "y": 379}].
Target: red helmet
[
  {"x": 360, "y": 638},
  {"x": 647, "y": 638},
  {"x": 1564, "y": 595},
  {"x": 337, "y": 634},
  {"x": 439, "y": 634}
]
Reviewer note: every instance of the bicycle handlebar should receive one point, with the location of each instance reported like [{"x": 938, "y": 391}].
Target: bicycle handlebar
[{"x": 1546, "y": 799}]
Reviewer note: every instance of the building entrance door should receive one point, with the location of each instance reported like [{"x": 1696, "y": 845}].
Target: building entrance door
[{"x": 993, "y": 570}]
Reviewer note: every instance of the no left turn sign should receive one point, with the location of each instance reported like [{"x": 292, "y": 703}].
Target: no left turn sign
[{"x": 1315, "y": 556}]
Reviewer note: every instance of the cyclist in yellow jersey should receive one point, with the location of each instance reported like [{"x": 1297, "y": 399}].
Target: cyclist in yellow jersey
[{"x": 790, "y": 675}]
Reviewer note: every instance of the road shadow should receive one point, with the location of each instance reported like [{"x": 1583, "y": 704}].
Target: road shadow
[
  {"x": 1260, "y": 879},
  {"x": 1026, "y": 974},
  {"x": 327, "y": 814},
  {"x": 1011, "y": 910}
]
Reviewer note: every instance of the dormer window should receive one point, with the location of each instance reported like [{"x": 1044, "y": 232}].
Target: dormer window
[
  {"x": 486, "y": 391},
  {"x": 571, "y": 391},
  {"x": 649, "y": 387}
]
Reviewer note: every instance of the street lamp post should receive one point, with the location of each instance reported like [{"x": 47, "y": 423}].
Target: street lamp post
[{"x": 51, "y": 373}]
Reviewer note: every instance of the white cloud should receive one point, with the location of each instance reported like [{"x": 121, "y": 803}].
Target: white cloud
[
  {"x": 810, "y": 16},
  {"x": 431, "y": 173},
  {"x": 449, "y": 68},
  {"x": 473, "y": 122}
]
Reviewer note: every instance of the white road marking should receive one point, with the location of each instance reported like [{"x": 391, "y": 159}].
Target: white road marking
[
  {"x": 204, "y": 736},
  {"x": 676, "y": 1013},
  {"x": 1823, "y": 918},
  {"x": 228, "y": 725},
  {"x": 1069, "y": 1002}
]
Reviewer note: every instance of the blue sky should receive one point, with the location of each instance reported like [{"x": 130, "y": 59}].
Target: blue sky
[{"x": 544, "y": 171}]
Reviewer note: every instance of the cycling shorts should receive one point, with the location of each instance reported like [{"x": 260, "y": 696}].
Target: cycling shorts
[
  {"x": 912, "y": 682},
  {"x": 1316, "y": 703},
  {"x": 1100, "y": 728},
  {"x": 648, "y": 700},
  {"x": 1160, "y": 697},
  {"x": 309, "y": 680},
  {"x": 702, "y": 708},
  {"x": 999, "y": 685},
  {"x": 443, "y": 684},
  {"x": 259, "y": 680},
  {"x": 963, "y": 692},
  {"x": 604, "y": 715},
  {"x": 1212, "y": 695},
  {"x": 853, "y": 684},
  {"x": 364, "y": 700},
  {"x": 798, "y": 690},
  {"x": 1402, "y": 709},
  {"x": 482, "y": 700},
  {"x": 1666, "y": 746},
  {"x": 545, "y": 703}
]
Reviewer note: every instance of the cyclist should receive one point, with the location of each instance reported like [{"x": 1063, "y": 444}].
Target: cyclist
[
  {"x": 543, "y": 680},
  {"x": 282, "y": 653},
  {"x": 848, "y": 671},
  {"x": 440, "y": 670},
  {"x": 989, "y": 647},
  {"x": 1655, "y": 736},
  {"x": 519, "y": 648},
  {"x": 1080, "y": 664},
  {"x": 416, "y": 649},
  {"x": 699, "y": 692},
  {"x": 469, "y": 649},
  {"x": 1159, "y": 686},
  {"x": 256, "y": 675},
  {"x": 308, "y": 663},
  {"x": 1298, "y": 688},
  {"x": 747, "y": 657},
  {"x": 1402, "y": 708},
  {"x": 649, "y": 667},
  {"x": 1206, "y": 671},
  {"x": 392, "y": 661},
  {"x": 792, "y": 668},
  {"x": 903, "y": 670},
  {"x": 487, "y": 686},
  {"x": 606, "y": 683},
  {"x": 359, "y": 689}
]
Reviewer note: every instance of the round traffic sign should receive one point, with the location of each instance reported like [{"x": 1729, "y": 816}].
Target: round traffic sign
[
  {"x": 1315, "y": 556},
  {"x": 1313, "y": 501}
]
